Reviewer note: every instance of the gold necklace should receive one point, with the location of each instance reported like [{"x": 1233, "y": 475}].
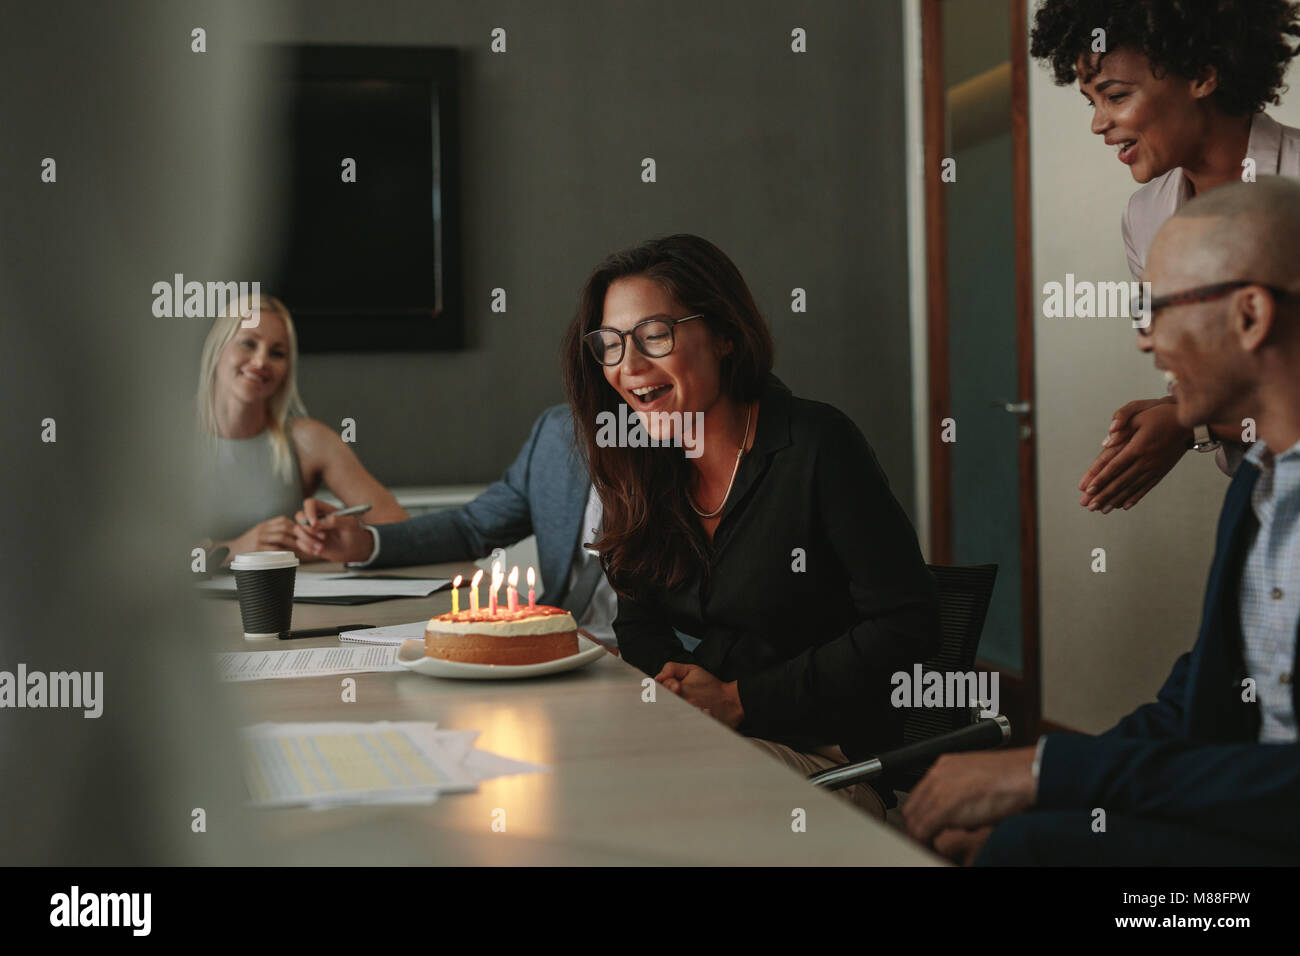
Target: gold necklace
[{"x": 739, "y": 454}]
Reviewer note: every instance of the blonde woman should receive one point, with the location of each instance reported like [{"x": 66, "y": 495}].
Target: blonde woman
[{"x": 262, "y": 456}]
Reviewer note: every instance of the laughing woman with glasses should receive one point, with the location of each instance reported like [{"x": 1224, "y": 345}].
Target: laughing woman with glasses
[{"x": 770, "y": 579}]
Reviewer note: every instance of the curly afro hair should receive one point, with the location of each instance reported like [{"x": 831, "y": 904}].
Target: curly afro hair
[{"x": 1247, "y": 41}]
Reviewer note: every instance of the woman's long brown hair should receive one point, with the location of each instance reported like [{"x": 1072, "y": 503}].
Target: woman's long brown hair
[{"x": 652, "y": 541}]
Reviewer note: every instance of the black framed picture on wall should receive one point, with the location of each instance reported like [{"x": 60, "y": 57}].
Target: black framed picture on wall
[{"x": 370, "y": 255}]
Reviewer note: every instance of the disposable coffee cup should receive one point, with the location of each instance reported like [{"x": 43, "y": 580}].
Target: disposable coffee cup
[{"x": 264, "y": 580}]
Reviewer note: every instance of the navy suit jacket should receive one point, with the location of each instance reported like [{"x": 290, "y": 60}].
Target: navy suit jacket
[
  {"x": 544, "y": 493},
  {"x": 1192, "y": 757}
]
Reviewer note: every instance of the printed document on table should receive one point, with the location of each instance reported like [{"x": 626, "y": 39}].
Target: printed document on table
[
  {"x": 327, "y": 765},
  {"x": 306, "y": 662}
]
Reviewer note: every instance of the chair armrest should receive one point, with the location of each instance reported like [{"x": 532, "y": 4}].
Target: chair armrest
[{"x": 984, "y": 735}]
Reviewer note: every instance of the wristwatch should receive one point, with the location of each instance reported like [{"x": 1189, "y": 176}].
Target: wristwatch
[{"x": 1202, "y": 440}]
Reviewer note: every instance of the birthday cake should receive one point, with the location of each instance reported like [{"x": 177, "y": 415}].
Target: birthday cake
[{"x": 524, "y": 636}]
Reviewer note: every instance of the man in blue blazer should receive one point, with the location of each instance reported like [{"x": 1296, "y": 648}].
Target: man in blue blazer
[
  {"x": 1210, "y": 772},
  {"x": 545, "y": 492}
]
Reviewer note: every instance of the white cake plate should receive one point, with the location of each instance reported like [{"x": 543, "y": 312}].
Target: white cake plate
[{"x": 411, "y": 656}]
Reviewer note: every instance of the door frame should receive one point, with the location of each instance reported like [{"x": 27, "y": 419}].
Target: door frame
[{"x": 1021, "y": 690}]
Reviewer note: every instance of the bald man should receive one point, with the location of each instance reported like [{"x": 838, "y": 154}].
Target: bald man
[{"x": 1210, "y": 772}]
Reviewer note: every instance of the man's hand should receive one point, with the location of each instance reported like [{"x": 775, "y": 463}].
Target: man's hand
[
  {"x": 969, "y": 791},
  {"x": 319, "y": 534},
  {"x": 1145, "y": 441},
  {"x": 697, "y": 686}
]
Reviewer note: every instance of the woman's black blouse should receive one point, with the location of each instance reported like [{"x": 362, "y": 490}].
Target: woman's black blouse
[{"x": 815, "y": 594}]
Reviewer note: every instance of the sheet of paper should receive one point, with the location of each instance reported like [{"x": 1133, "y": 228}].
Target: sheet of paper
[
  {"x": 334, "y": 764},
  {"x": 329, "y": 764},
  {"x": 390, "y": 634},
  {"x": 306, "y": 662},
  {"x": 341, "y": 586}
]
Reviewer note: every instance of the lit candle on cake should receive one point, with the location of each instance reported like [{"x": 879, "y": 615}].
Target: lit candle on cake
[
  {"x": 532, "y": 595},
  {"x": 473, "y": 594},
  {"x": 512, "y": 591},
  {"x": 496, "y": 586},
  {"x": 455, "y": 595}
]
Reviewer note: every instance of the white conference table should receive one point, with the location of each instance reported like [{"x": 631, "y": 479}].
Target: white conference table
[{"x": 630, "y": 782}]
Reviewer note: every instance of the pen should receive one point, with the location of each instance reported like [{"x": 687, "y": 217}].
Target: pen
[
  {"x": 326, "y": 631},
  {"x": 354, "y": 510}
]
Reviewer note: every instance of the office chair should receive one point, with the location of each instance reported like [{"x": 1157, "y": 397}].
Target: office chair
[{"x": 930, "y": 732}]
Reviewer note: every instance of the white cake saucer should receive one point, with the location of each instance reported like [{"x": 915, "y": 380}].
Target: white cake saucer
[{"x": 411, "y": 656}]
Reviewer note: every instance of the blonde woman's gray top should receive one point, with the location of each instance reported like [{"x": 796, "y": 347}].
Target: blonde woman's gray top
[{"x": 239, "y": 486}]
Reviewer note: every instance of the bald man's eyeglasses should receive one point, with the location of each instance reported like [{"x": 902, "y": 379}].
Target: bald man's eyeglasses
[{"x": 1205, "y": 293}]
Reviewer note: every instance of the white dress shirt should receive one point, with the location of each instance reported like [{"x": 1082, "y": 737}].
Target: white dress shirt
[{"x": 598, "y": 619}]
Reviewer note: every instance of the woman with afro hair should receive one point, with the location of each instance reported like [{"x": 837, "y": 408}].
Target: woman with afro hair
[{"x": 1179, "y": 88}]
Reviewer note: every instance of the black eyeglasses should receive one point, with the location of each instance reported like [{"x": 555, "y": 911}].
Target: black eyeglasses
[
  {"x": 653, "y": 338},
  {"x": 1205, "y": 293}
]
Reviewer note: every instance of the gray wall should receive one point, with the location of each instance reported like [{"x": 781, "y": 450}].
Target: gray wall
[{"x": 791, "y": 163}]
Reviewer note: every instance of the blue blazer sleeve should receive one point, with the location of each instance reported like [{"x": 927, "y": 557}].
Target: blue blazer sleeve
[
  {"x": 498, "y": 517},
  {"x": 1246, "y": 790}
]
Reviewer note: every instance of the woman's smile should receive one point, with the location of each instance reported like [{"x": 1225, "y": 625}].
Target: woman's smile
[{"x": 648, "y": 397}]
